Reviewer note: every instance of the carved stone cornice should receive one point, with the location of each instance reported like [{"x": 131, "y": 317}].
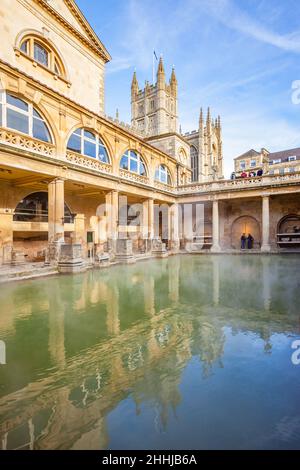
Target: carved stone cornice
[{"x": 92, "y": 42}]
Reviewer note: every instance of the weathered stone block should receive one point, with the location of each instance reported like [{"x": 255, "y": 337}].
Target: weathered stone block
[{"x": 70, "y": 258}]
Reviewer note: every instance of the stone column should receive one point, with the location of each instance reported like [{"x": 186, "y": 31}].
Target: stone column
[
  {"x": 108, "y": 215},
  {"x": 79, "y": 228},
  {"x": 150, "y": 219},
  {"x": 56, "y": 211},
  {"x": 215, "y": 228},
  {"x": 79, "y": 232},
  {"x": 265, "y": 224},
  {"x": 112, "y": 212},
  {"x": 145, "y": 219},
  {"x": 150, "y": 223},
  {"x": 174, "y": 227},
  {"x": 6, "y": 235}
]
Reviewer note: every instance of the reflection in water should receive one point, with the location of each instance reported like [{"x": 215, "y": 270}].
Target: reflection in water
[{"x": 189, "y": 352}]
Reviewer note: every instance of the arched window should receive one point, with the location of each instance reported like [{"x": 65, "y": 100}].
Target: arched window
[
  {"x": 23, "y": 117},
  {"x": 194, "y": 163},
  {"x": 89, "y": 144},
  {"x": 133, "y": 162},
  {"x": 162, "y": 175},
  {"x": 39, "y": 50}
]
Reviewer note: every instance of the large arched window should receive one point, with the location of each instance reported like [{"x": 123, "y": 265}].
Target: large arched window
[
  {"x": 23, "y": 117},
  {"x": 162, "y": 175},
  {"x": 194, "y": 163},
  {"x": 133, "y": 162},
  {"x": 39, "y": 50},
  {"x": 89, "y": 144}
]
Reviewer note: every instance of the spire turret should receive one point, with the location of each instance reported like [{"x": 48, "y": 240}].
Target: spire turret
[
  {"x": 201, "y": 124},
  {"x": 173, "y": 81},
  {"x": 161, "y": 76},
  {"x": 208, "y": 120},
  {"x": 160, "y": 69},
  {"x": 134, "y": 84}
]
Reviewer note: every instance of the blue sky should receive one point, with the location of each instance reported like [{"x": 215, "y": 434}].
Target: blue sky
[{"x": 239, "y": 57}]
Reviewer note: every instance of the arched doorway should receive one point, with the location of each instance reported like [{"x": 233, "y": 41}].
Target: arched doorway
[
  {"x": 30, "y": 232},
  {"x": 245, "y": 224},
  {"x": 288, "y": 231}
]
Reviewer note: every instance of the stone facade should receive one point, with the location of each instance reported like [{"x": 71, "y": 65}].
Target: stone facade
[
  {"x": 272, "y": 163},
  {"x": 55, "y": 195},
  {"x": 206, "y": 149}
]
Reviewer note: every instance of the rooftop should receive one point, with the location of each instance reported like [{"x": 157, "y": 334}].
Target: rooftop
[
  {"x": 285, "y": 154},
  {"x": 248, "y": 154}
]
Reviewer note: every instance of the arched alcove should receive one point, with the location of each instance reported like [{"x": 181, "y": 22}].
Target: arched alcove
[
  {"x": 288, "y": 223},
  {"x": 288, "y": 231},
  {"x": 245, "y": 224}
]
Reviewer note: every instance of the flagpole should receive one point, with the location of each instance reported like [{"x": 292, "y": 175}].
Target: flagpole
[{"x": 153, "y": 67}]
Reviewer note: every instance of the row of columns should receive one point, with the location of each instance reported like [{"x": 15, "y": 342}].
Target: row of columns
[
  {"x": 265, "y": 246},
  {"x": 108, "y": 225},
  {"x": 108, "y": 221}
]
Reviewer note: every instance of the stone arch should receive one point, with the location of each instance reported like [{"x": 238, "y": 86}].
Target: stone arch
[
  {"x": 34, "y": 207},
  {"x": 287, "y": 223},
  {"x": 182, "y": 155},
  {"x": 245, "y": 224}
]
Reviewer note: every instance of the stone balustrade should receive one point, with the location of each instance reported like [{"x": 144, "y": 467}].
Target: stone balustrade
[
  {"x": 15, "y": 139},
  {"x": 133, "y": 176},
  {"x": 164, "y": 187},
  {"x": 87, "y": 162},
  {"x": 25, "y": 142},
  {"x": 225, "y": 185}
]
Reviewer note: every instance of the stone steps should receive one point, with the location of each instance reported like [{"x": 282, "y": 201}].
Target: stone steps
[{"x": 25, "y": 272}]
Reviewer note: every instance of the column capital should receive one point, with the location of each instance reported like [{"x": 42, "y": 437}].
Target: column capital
[{"x": 58, "y": 180}]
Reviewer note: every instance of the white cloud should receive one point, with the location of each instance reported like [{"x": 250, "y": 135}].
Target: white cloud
[{"x": 231, "y": 16}]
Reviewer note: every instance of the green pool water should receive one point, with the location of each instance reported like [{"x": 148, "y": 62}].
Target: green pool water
[{"x": 190, "y": 352}]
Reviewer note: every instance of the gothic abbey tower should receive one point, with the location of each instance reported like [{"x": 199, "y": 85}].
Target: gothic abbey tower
[
  {"x": 206, "y": 150},
  {"x": 154, "y": 111}
]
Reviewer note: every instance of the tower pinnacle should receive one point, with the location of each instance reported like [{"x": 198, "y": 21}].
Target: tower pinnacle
[{"x": 134, "y": 84}]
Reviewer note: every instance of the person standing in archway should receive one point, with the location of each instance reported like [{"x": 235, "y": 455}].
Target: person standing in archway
[
  {"x": 250, "y": 241},
  {"x": 243, "y": 241}
]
